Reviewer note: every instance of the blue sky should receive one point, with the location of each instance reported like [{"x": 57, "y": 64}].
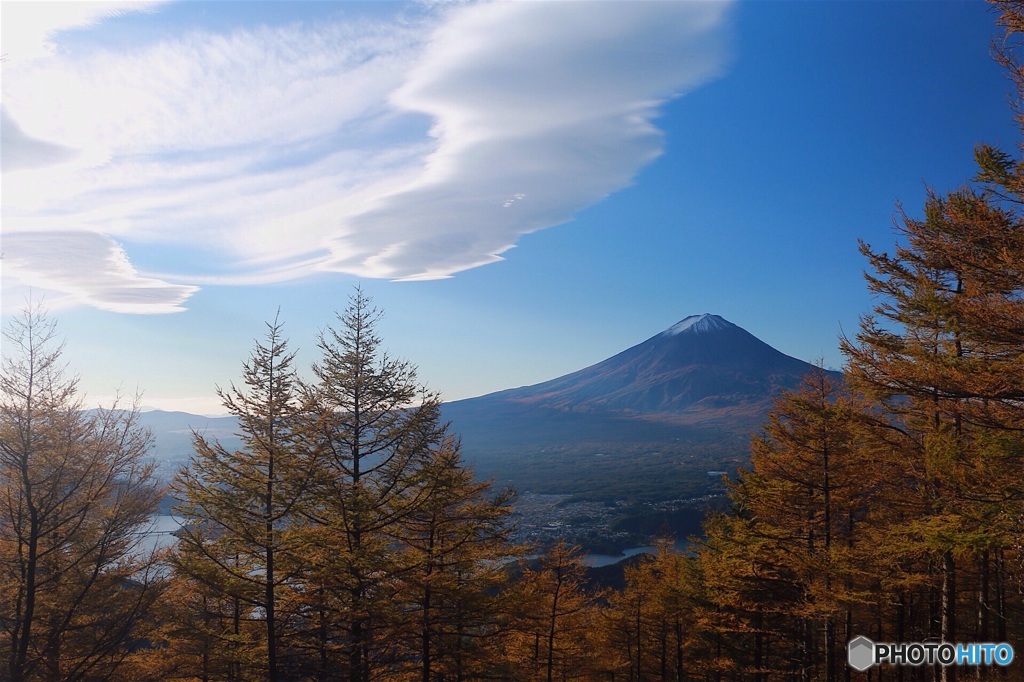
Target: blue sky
[{"x": 524, "y": 188}]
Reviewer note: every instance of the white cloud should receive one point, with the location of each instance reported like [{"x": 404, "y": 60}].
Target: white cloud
[
  {"x": 401, "y": 149},
  {"x": 56, "y": 261},
  {"x": 551, "y": 102},
  {"x": 29, "y": 28}
]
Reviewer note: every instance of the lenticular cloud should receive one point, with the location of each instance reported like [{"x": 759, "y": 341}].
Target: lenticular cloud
[
  {"x": 408, "y": 149},
  {"x": 538, "y": 110},
  {"x": 55, "y": 261}
]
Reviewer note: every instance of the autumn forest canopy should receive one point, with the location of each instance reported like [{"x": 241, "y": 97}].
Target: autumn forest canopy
[{"x": 348, "y": 540}]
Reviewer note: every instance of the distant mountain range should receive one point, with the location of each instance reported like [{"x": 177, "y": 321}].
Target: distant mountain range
[
  {"x": 172, "y": 435},
  {"x": 651, "y": 421}
]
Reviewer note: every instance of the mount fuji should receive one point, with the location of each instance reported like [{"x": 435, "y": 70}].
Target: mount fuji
[{"x": 692, "y": 393}]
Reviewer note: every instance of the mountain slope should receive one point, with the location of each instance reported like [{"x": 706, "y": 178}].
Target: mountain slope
[
  {"x": 671, "y": 408},
  {"x": 648, "y": 423},
  {"x": 703, "y": 361}
]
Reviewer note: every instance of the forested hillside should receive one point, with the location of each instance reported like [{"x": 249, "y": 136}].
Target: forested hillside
[{"x": 347, "y": 540}]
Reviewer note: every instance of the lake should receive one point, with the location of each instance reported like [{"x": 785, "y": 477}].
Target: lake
[{"x": 161, "y": 534}]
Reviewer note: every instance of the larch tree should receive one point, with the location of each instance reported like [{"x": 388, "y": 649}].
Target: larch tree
[
  {"x": 900, "y": 514},
  {"x": 240, "y": 509},
  {"x": 555, "y": 622},
  {"x": 375, "y": 429},
  {"x": 747, "y": 612},
  {"x": 928, "y": 356},
  {"x": 652, "y": 621},
  {"x": 629, "y": 618},
  {"x": 77, "y": 493},
  {"x": 455, "y": 548},
  {"x": 943, "y": 352},
  {"x": 811, "y": 487},
  {"x": 780, "y": 575}
]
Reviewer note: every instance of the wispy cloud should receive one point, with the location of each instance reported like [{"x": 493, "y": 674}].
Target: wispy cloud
[
  {"x": 30, "y": 27},
  {"x": 399, "y": 149}
]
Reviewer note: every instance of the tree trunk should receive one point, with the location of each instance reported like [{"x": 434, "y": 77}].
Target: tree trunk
[
  {"x": 23, "y": 630},
  {"x": 425, "y": 635},
  {"x": 268, "y": 597},
  {"x": 947, "y": 673}
]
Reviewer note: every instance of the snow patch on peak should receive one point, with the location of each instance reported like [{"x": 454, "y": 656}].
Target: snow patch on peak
[{"x": 698, "y": 324}]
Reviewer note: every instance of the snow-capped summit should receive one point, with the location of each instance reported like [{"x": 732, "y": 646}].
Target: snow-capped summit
[
  {"x": 698, "y": 324},
  {"x": 701, "y": 363}
]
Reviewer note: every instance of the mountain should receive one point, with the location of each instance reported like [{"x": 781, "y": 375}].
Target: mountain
[
  {"x": 688, "y": 397},
  {"x": 702, "y": 363},
  {"x": 172, "y": 435}
]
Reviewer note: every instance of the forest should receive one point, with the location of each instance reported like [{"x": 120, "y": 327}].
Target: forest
[{"x": 348, "y": 540}]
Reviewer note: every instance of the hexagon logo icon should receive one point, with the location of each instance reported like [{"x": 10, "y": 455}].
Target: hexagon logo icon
[{"x": 860, "y": 653}]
